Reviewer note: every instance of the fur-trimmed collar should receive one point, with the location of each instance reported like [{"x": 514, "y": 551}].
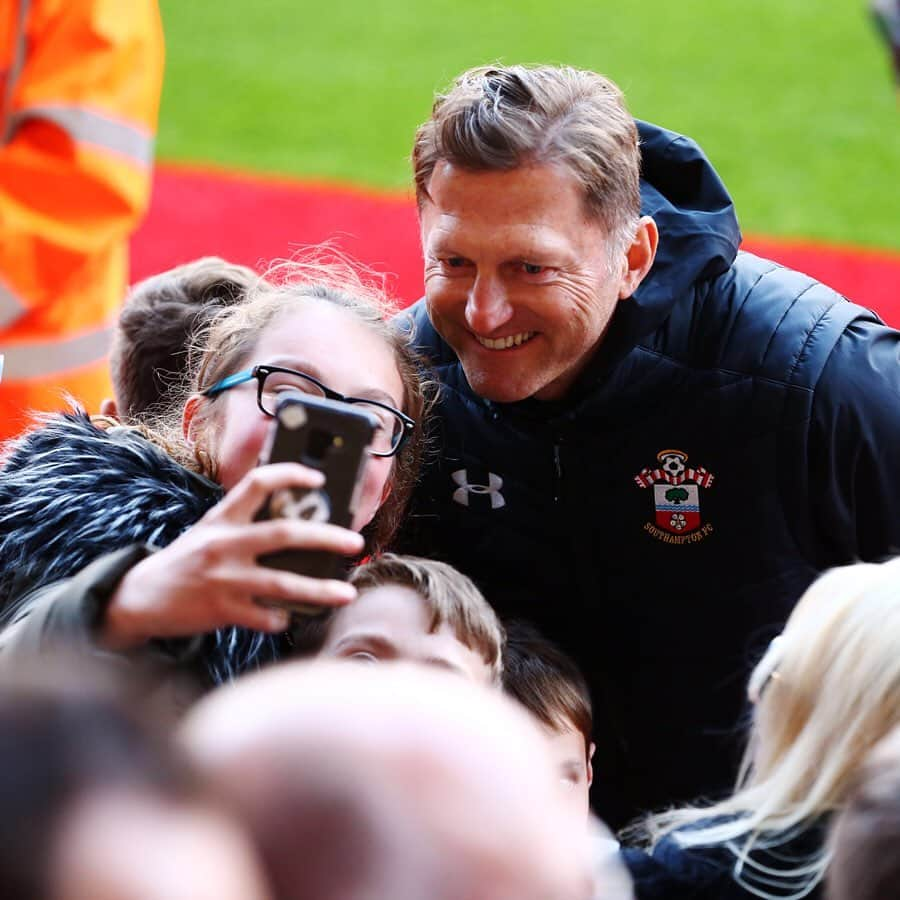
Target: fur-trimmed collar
[{"x": 70, "y": 492}]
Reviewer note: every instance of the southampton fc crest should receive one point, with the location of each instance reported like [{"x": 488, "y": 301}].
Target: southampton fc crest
[{"x": 676, "y": 498}]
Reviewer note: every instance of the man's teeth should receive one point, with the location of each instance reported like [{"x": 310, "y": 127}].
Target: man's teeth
[{"x": 504, "y": 342}]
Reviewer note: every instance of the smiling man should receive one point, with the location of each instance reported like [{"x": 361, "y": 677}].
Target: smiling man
[
  {"x": 524, "y": 289},
  {"x": 650, "y": 443}
]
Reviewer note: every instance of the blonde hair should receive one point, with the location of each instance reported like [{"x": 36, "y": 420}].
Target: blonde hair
[
  {"x": 497, "y": 118},
  {"x": 451, "y": 598},
  {"x": 828, "y": 690}
]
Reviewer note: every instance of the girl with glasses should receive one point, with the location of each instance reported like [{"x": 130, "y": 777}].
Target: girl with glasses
[{"x": 165, "y": 527}]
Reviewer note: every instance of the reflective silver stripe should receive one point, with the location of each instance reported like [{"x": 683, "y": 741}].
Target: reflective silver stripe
[
  {"x": 10, "y": 306},
  {"x": 41, "y": 358},
  {"x": 90, "y": 127},
  {"x": 15, "y": 69}
]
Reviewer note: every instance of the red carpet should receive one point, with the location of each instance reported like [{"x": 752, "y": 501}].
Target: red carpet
[{"x": 253, "y": 220}]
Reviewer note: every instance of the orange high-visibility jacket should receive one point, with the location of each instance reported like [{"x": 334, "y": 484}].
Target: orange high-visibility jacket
[{"x": 80, "y": 82}]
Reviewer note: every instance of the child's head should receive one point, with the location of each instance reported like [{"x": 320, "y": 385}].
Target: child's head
[
  {"x": 416, "y": 610},
  {"x": 96, "y": 800},
  {"x": 390, "y": 781},
  {"x": 149, "y": 355},
  {"x": 316, "y": 323},
  {"x": 551, "y": 687}
]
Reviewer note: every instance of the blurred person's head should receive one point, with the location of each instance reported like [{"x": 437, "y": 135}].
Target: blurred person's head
[
  {"x": 306, "y": 327},
  {"x": 159, "y": 319},
  {"x": 551, "y": 687},
  {"x": 865, "y": 838},
  {"x": 98, "y": 806},
  {"x": 417, "y": 610},
  {"x": 389, "y": 781},
  {"x": 527, "y": 181},
  {"x": 137, "y": 845},
  {"x": 826, "y": 691}
]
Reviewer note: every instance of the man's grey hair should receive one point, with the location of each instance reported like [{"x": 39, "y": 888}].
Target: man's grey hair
[{"x": 497, "y": 118}]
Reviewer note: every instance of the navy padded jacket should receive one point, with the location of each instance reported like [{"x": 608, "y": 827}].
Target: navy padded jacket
[{"x": 782, "y": 399}]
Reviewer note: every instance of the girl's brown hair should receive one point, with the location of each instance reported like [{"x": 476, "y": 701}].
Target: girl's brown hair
[{"x": 226, "y": 345}]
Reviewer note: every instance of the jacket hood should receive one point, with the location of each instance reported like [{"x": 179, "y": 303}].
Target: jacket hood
[{"x": 699, "y": 234}]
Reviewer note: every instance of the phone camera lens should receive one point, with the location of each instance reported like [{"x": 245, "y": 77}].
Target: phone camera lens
[{"x": 319, "y": 444}]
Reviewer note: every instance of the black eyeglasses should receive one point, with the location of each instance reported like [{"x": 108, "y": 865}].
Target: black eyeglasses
[{"x": 394, "y": 428}]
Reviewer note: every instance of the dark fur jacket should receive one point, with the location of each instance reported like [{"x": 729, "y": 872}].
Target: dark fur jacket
[{"x": 71, "y": 492}]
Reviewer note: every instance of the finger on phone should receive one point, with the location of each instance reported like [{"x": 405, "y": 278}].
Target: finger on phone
[
  {"x": 247, "y": 496},
  {"x": 277, "y": 584},
  {"x": 248, "y": 614},
  {"x": 284, "y": 534}
]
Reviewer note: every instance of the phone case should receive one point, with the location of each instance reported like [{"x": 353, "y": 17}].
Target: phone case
[{"x": 325, "y": 435}]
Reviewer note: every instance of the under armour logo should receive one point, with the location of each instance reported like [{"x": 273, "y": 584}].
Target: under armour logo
[{"x": 463, "y": 493}]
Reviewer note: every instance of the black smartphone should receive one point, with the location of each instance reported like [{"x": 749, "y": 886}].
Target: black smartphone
[{"x": 331, "y": 437}]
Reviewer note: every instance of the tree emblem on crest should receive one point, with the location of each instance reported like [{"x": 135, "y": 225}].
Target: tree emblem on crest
[{"x": 676, "y": 497}]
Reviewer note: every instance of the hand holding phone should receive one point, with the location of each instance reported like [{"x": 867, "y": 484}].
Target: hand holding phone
[{"x": 329, "y": 436}]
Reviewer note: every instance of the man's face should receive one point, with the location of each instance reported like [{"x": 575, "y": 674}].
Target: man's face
[
  {"x": 390, "y": 623},
  {"x": 518, "y": 279}
]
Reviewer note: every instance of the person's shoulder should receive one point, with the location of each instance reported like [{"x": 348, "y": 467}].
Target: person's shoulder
[
  {"x": 795, "y": 330},
  {"x": 71, "y": 491},
  {"x": 49, "y": 457},
  {"x": 760, "y": 318},
  {"x": 103, "y": 453},
  {"x": 58, "y": 430},
  {"x": 673, "y": 872},
  {"x": 774, "y": 289},
  {"x": 441, "y": 359},
  {"x": 424, "y": 336},
  {"x": 709, "y": 861}
]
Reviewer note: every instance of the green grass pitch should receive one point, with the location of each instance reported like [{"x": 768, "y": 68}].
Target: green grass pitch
[{"x": 792, "y": 99}]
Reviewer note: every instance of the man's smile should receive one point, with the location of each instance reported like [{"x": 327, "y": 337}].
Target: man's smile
[{"x": 504, "y": 343}]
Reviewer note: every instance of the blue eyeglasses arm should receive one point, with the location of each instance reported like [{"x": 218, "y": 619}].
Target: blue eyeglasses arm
[{"x": 230, "y": 381}]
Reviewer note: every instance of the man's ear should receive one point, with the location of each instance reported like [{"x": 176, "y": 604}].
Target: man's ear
[
  {"x": 188, "y": 425},
  {"x": 639, "y": 256},
  {"x": 590, "y": 764},
  {"x": 108, "y": 408}
]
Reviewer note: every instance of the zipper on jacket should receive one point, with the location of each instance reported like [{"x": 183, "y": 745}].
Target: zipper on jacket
[{"x": 557, "y": 465}]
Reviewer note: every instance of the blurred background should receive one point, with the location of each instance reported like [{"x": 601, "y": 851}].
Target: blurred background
[{"x": 284, "y": 124}]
